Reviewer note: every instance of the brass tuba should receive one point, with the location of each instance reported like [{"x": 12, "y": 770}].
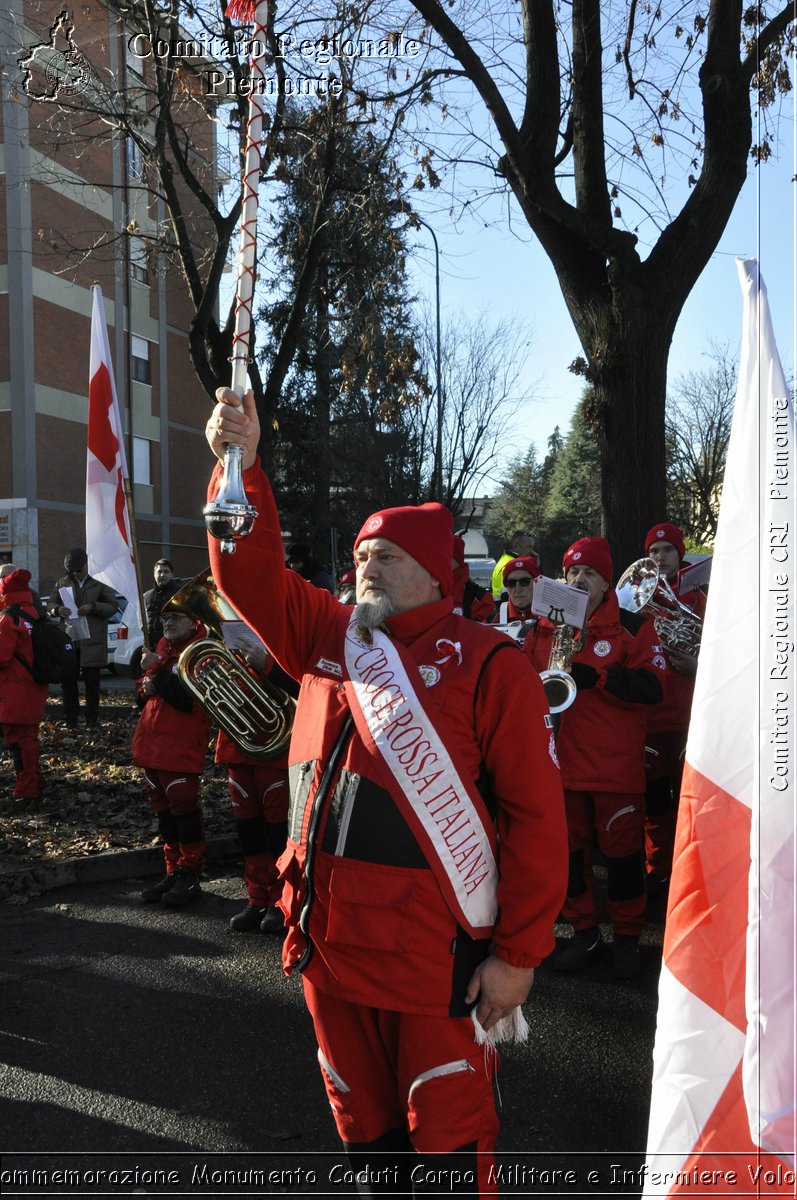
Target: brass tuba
[
  {"x": 643, "y": 589},
  {"x": 254, "y": 712}
]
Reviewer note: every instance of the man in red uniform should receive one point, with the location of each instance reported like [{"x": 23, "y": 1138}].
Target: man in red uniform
[
  {"x": 668, "y": 722},
  {"x": 22, "y": 700},
  {"x": 170, "y": 743},
  {"x": 519, "y": 575},
  {"x": 618, "y": 669},
  {"x": 259, "y": 799},
  {"x": 403, "y": 762},
  {"x": 258, "y": 791}
]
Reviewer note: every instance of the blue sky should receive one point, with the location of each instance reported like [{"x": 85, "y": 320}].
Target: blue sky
[{"x": 485, "y": 267}]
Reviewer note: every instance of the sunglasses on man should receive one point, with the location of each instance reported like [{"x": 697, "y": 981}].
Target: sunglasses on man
[{"x": 524, "y": 582}]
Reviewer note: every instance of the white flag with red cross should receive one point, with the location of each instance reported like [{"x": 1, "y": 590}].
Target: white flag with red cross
[
  {"x": 109, "y": 543},
  {"x": 722, "y": 1115}
]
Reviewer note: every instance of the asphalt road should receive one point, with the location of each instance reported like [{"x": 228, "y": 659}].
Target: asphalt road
[{"x": 138, "y": 1040}]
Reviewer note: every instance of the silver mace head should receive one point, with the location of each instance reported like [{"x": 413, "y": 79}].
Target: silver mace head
[{"x": 230, "y": 516}]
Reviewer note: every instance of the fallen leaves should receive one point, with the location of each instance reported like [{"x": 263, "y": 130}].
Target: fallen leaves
[{"x": 94, "y": 800}]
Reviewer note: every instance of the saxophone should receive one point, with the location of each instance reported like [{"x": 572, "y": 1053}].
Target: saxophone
[{"x": 557, "y": 682}]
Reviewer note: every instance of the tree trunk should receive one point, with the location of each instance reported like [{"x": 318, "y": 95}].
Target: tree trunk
[{"x": 628, "y": 349}]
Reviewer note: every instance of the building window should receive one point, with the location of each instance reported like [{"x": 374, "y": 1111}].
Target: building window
[
  {"x": 139, "y": 360},
  {"x": 139, "y": 267},
  {"x": 135, "y": 61},
  {"x": 141, "y": 461},
  {"x": 135, "y": 161}
]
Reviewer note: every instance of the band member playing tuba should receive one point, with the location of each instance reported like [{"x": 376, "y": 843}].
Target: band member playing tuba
[
  {"x": 406, "y": 925},
  {"x": 618, "y": 667},
  {"x": 668, "y": 722},
  {"x": 235, "y": 680},
  {"x": 170, "y": 743}
]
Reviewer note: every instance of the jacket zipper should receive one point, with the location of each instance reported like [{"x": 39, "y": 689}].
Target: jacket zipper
[{"x": 312, "y": 825}]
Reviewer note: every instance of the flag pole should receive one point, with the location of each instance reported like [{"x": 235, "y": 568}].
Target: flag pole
[{"x": 136, "y": 565}]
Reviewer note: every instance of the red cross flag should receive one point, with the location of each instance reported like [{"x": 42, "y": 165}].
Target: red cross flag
[
  {"x": 109, "y": 543},
  {"x": 722, "y": 1115}
]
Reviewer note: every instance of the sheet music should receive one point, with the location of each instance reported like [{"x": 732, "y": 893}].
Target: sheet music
[
  {"x": 693, "y": 576},
  {"x": 238, "y": 636},
  {"x": 560, "y": 603}
]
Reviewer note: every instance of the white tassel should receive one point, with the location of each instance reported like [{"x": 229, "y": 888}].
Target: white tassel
[{"x": 514, "y": 1028}]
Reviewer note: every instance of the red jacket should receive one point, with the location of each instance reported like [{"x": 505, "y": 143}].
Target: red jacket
[
  {"x": 375, "y": 926},
  {"x": 619, "y": 674},
  {"x": 22, "y": 700},
  {"x": 673, "y": 712},
  {"x": 172, "y": 732}
]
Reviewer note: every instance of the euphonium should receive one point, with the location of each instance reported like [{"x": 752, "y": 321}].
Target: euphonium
[
  {"x": 557, "y": 682},
  {"x": 643, "y": 589},
  {"x": 254, "y": 712}
]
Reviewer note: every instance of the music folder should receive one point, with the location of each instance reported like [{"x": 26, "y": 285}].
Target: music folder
[{"x": 559, "y": 602}]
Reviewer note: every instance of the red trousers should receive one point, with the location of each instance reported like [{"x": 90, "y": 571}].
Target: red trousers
[
  {"x": 414, "y": 1085},
  {"x": 259, "y": 798},
  {"x": 174, "y": 796},
  {"x": 619, "y": 818},
  {"x": 23, "y": 742},
  {"x": 664, "y": 768}
]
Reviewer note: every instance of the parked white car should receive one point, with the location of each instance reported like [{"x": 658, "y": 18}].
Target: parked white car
[
  {"x": 481, "y": 570},
  {"x": 125, "y": 639}
]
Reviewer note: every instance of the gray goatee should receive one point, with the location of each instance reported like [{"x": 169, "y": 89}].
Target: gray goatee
[{"x": 371, "y": 614}]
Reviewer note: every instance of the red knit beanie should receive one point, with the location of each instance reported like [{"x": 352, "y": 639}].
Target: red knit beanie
[
  {"x": 590, "y": 552},
  {"x": 15, "y": 581},
  {"x": 664, "y": 532},
  {"x": 524, "y": 563},
  {"x": 459, "y": 550},
  {"x": 425, "y": 531}
]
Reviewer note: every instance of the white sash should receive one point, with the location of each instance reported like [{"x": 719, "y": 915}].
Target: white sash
[{"x": 443, "y": 807}]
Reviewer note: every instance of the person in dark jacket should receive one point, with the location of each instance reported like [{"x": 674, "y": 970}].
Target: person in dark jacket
[
  {"x": 170, "y": 743},
  {"x": 22, "y": 700},
  {"x": 470, "y": 600},
  {"x": 165, "y": 587},
  {"x": 300, "y": 560},
  {"x": 97, "y": 603}
]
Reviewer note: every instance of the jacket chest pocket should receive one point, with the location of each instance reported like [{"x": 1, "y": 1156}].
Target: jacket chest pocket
[{"x": 367, "y": 908}]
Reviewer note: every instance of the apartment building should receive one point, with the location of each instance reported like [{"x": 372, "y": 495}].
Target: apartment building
[{"x": 76, "y": 207}]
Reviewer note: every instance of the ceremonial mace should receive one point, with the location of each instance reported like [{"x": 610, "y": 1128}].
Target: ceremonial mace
[{"x": 230, "y": 516}]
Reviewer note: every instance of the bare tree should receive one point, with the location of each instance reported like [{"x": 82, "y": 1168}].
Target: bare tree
[
  {"x": 624, "y": 133},
  {"x": 482, "y": 365},
  {"x": 698, "y": 426}
]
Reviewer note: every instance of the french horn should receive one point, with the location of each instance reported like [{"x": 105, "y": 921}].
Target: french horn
[{"x": 254, "y": 712}]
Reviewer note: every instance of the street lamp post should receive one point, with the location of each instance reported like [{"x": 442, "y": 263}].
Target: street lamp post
[{"x": 438, "y": 454}]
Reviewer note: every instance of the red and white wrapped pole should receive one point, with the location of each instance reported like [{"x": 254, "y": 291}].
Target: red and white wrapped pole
[{"x": 230, "y": 517}]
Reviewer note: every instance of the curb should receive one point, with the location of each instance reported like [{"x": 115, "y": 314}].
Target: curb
[{"x": 99, "y": 868}]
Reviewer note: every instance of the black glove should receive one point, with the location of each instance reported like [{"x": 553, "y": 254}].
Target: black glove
[{"x": 584, "y": 676}]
